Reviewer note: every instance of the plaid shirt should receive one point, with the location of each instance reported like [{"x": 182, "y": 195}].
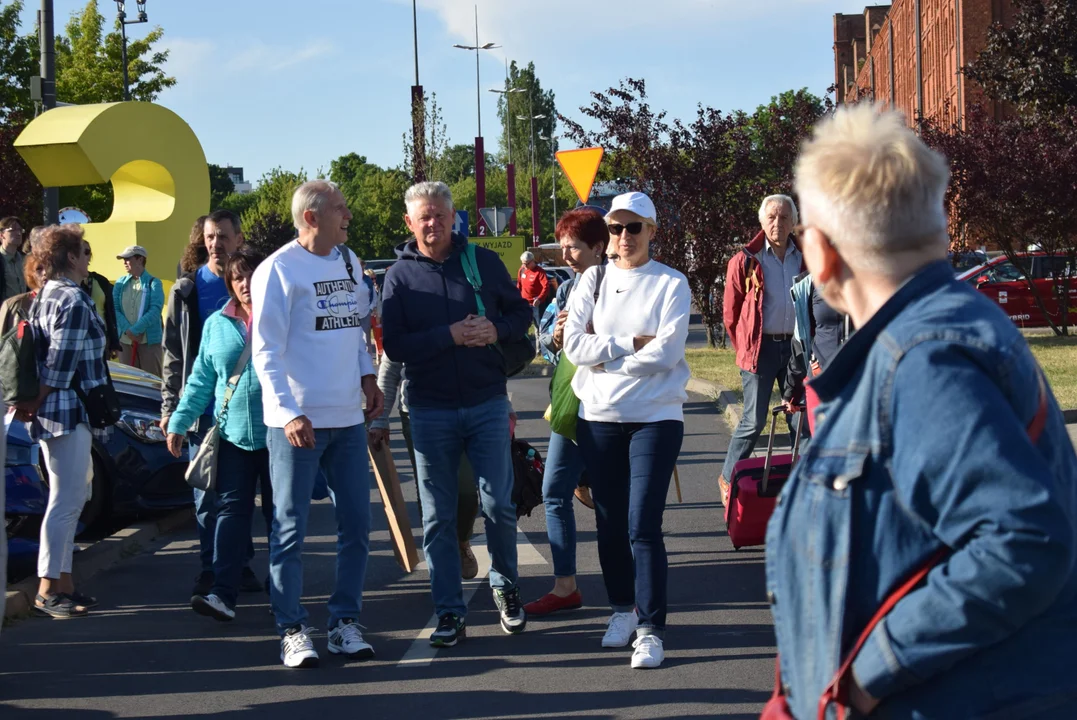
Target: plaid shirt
[{"x": 69, "y": 336}]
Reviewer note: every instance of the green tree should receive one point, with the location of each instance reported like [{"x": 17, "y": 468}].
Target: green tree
[
  {"x": 436, "y": 133},
  {"x": 17, "y": 64},
  {"x": 1033, "y": 63},
  {"x": 220, "y": 186},
  {"x": 89, "y": 63},
  {"x": 533, "y": 101},
  {"x": 377, "y": 225},
  {"x": 267, "y": 221}
]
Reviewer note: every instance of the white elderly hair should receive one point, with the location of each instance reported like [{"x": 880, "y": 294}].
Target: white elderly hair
[
  {"x": 428, "y": 190},
  {"x": 780, "y": 199},
  {"x": 527, "y": 257},
  {"x": 312, "y": 195},
  {"x": 876, "y": 190}
]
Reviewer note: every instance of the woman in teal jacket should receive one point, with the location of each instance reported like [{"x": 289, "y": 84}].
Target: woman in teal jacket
[
  {"x": 139, "y": 322},
  {"x": 243, "y": 458}
]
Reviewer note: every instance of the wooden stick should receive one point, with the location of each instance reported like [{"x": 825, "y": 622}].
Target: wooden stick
[
  {"x": 677, "y": 482},
  {"x": 396, "y": 512}
]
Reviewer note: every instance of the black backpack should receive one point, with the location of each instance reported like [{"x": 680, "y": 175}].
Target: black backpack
[{"x": 528, "y": 469}]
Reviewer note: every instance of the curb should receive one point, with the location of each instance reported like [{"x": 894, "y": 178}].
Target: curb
[
  {"x": 103, "y": 554},
  {"x": 728, "y": 404}
]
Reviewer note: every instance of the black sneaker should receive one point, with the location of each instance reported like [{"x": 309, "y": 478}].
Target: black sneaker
[
  {"x": 249, "y": 582},
  {"x": 451, "y": 629},
  {"x": 203, "y": 583},
  {"x": 513, "y": 616}
]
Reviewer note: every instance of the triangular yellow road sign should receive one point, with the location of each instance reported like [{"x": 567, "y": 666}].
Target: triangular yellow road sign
[{"x": 581, "y": 168}]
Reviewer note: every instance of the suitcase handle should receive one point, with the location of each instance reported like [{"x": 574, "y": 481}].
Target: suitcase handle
[{"x": 770, "y": 443}]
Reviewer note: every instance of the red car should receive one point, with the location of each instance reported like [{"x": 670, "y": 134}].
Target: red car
[{"x": 1003, "y": 282}]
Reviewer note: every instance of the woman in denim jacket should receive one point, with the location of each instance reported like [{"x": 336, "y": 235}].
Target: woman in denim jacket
[
  {"x": 922, "y": 446},
  {"x": 243, "y": 460}
]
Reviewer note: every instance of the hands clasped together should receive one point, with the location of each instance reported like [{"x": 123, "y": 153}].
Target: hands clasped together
[{"x": 474, "y": 331}]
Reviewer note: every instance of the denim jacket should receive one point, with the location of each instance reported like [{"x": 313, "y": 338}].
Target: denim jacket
[{"x": 921, "y": 444}]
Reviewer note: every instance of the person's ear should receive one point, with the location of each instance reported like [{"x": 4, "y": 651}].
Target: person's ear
[
  {"x": 240, "y": 239},
  {"x": 310, "y": 218},
  {"x": 822, "y": 259},
  {"x": 407, "y": 221}
]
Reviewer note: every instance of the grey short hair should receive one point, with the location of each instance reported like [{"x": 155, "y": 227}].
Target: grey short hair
[
  {"x": 429, "y": 190},
  {"x": 873, "y": 186},
  {"x": 527, "y": 257},
  {"x": 784, "y": 199},
  {"x": 311, "y": 195}
]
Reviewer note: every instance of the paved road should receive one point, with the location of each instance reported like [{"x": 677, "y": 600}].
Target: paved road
[{"x": 144, "y": 654}]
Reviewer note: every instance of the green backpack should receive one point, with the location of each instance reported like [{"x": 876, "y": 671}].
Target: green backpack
[{"x": 18, "y": 364}]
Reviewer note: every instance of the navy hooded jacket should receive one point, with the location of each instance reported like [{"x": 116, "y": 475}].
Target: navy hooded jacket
[{"x": 421, "y": 299}]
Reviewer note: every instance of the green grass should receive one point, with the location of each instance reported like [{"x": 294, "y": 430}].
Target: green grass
[{"x": 1057, "y": 356}]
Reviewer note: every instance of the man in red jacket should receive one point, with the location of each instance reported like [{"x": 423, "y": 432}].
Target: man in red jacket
[
  {"x": 534, "y": 286},
  {"x": 759, "y": 317}
]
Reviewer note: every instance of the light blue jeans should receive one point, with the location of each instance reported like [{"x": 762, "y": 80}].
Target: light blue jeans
[
  {"x": 342, "y": 454},
  {"x": 564, "y": 467},
  {"x": 439, "y": 437}
]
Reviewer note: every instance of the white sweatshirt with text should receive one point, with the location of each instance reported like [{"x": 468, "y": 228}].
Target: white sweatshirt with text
[
  {"x": 309, "y": 349},
  {"x": 614, "y": 382}
]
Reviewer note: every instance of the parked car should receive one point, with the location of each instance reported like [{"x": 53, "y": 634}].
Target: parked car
[
  {"x": 132, "y": 471},
  {"x": 1004, "y": 282},
  {"x": 25, "y": 494},
  {"x": 559, "y": 274}
]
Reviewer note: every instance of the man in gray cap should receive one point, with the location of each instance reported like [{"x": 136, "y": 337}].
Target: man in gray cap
[{"x": 139, "y": 299}]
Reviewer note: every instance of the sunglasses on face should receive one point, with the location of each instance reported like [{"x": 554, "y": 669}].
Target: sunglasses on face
[{"x": 633, "y": 228}]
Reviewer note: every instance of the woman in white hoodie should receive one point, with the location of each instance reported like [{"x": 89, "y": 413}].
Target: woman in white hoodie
[{"x": 629, "y": 347}]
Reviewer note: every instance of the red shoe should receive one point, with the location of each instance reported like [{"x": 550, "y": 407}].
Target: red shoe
[{"x": 550, "y": 603}]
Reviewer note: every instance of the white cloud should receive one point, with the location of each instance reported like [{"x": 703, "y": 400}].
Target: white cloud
[{"x": 197, "y": 61}]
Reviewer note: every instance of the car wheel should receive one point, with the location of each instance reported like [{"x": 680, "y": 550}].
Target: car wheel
[{"x": 96, "y": 510}]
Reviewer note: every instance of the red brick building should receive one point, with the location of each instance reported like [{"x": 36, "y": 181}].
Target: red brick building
[{"x": 908, "y": 55}]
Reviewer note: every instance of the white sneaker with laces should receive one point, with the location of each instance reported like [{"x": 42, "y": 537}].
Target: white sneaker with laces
[
  {"x": 648, "y": 652},
  {"x": 346, "y": 639},
  {"x": 212, "y": 606},
  {"x": 619, "y": 629},
  {"x": 297, "y": 650}
]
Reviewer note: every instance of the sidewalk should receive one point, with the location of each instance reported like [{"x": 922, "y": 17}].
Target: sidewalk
[{"x": 1073, "y": 433}]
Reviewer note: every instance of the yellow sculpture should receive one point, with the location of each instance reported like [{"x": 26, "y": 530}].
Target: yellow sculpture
[{"x": 152, "y": 158}]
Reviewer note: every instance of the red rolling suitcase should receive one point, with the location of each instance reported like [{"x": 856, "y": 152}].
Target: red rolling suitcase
[{"x": 754, "y": 489}]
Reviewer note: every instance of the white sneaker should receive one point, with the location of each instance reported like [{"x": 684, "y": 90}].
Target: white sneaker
[
  {"x": 212, "y": 606},
  {"x": 648, "y": 652},
  {"x": 345, "y": 639},
  {"x": 620, "y": 628},
  {"x": 297, "y": 650}
]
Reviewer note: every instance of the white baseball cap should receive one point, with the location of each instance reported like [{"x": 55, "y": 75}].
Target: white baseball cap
[
  {"x": 634, "y": 202},
  {"x": 132, "y": 251}
]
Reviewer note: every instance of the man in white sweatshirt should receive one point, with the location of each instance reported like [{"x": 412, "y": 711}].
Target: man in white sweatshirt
[{"x": 310, "y": 354}]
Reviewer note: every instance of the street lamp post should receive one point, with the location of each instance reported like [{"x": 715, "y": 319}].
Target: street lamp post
[
  {"x": 480, "y": 153},
  {"x": 532, "y": 117},
  {"x": 553, "y": 170},
  {"x": 418, "y": 110},
  {"x": 124, "y": 22},
  {"x": 510, "y": 169}
]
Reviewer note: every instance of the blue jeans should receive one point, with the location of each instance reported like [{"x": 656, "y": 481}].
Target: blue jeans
[
  {"x": 564, "y": 466},
  {"x": 238, "y": 474},
  {"x": 630, "y": 466},
  {"x": 440, "y": 436},
  {"x": 342, "y": 454},
  {"x": 758, "y": 387}
]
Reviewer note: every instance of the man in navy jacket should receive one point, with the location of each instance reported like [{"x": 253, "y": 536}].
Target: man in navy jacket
[{"x": 457, "y": 396}]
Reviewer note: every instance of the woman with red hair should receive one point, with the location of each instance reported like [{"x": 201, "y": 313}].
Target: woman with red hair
[{"x": 583, "y": 236}]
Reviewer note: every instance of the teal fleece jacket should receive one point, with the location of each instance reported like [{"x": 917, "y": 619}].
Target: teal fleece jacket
[
  {"x": 223, "y": 339},
  {"x": 151, "y": 322}
]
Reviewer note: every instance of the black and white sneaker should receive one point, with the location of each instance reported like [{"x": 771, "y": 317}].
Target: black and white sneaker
[
  {"x": 212, "y": 606},
  {"x": 297, "y": 649},
  {"x": 451, "y": 629},
  {"x": 346, "y": 639},
  {"x": 513, "y": 616}
]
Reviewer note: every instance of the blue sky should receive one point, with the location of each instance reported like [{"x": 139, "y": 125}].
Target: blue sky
[{"x": 268, "y": 83}]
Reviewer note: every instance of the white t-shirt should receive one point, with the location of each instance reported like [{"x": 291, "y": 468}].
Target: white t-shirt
[
  {"x": 308, "y": 345},
  {"x": 614, "y": 382}
]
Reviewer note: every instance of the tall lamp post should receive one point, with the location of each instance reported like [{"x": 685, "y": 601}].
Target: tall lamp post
[
  {"x": 510, "y": 169},
  {"x": 418, "y": 110},
  {"x": 532, "y": 117},
  {"x": 553, "y": 172},
  {"x": 124, "y": 22},
  {"x": 480, "y": 152}
]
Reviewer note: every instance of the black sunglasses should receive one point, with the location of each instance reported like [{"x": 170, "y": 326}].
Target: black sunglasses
[{"x": 633, "y": 228}]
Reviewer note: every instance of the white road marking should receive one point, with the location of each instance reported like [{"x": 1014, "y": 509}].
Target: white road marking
[{"x": 421, "y": 652}]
